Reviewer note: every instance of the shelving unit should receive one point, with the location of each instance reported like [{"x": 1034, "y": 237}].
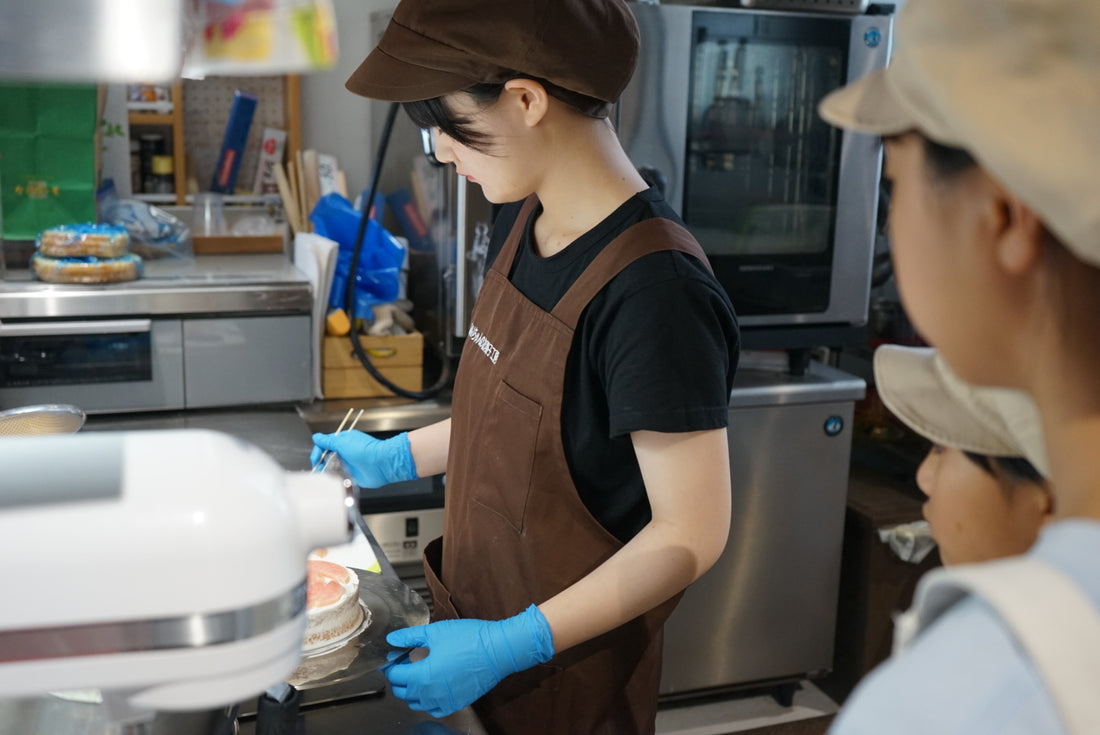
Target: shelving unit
[
  {"x": 199, "y": 110},
  {"x": 170, "y": 116}
]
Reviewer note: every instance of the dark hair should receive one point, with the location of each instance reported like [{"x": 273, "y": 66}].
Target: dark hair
[
  {"x": 433, "y": 113},
  {"x": 946, "y": 162},
  {"x": 1015, "y": 468}
]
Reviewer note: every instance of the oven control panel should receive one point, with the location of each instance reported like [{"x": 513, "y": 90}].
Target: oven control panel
[{"x": 404, "y": 534}]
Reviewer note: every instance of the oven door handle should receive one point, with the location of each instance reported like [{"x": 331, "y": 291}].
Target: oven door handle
[{"x": 50, "y": 329}]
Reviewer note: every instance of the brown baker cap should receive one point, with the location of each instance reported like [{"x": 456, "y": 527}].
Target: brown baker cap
[
  {"x": 435, "y": 47},
  {"x": 1016, "y": 83}
]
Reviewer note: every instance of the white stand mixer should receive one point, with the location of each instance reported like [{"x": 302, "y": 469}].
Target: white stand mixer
[{"x": 166, "y": 568}]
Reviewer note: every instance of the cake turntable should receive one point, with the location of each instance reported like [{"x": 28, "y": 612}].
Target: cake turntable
[
  {"x": 388, "y": 606},
  {"x": 340, "y": 671}
]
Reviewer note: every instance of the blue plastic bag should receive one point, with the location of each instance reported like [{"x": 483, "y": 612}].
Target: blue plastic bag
[{"x": 378, "y": 277}]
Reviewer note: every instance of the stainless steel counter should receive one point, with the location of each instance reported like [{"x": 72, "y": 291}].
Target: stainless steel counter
[
  {"x": 205, "y": 284},
  {"x": 764, "y": 381},
  {"x": 278, "y": 431},
  {"x": 381, "y": 415}
]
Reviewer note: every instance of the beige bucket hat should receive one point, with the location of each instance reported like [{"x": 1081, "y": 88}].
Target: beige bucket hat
[
  {"x": 1016, "y": 83},
  {"x": 921, "y": 390}
]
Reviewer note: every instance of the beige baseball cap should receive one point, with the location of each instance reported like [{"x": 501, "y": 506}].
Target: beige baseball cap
[
  {"x": 1016, "y": 83},
  {"x": 921, "y": 390}
]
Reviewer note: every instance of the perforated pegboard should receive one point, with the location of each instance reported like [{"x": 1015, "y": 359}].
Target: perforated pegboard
[{"x": 206, "y": 105}]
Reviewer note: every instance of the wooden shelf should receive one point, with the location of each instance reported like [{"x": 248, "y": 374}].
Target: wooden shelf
[
  {"x": 173, "y": 120},
  {"x": 151, "y": 118},
  {"x": 156, "y": 198},
  {"x": 260, "y": 199},
  {"x": 165, "y": 106}
]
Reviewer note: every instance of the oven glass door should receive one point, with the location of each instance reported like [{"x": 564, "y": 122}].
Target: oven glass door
[
  {"x": 109, "y": 365},
  {"x": 761, "y": 174}
]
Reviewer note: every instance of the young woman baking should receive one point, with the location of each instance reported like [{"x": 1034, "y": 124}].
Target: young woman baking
[{"x": 586, "y": 455}]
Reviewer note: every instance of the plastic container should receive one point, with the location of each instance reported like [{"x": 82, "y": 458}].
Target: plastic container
[{"x": 209, "y": 214}]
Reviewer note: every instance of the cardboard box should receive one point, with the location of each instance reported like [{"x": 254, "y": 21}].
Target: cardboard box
[{"x": 400, "y": 359}]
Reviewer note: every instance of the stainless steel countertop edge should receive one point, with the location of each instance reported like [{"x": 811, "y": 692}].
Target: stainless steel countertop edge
[
  {"x": 53, "y": 302},
  {"x": 820, "y": 384},
  {"x": 380, "y": 414}
]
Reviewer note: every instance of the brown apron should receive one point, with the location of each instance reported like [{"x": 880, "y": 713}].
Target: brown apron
[{"x": 515, "y": 530}]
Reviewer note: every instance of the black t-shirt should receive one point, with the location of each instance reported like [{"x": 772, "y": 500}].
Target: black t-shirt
[{"x": 655, "y": 350}]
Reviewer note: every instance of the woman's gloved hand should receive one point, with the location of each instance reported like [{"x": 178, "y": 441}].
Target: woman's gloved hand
[
  {"x": 371, "y": 462},
  {"x": 466, "y": 659}
]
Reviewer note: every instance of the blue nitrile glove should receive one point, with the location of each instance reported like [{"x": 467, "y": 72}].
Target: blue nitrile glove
[
  {"x": 371, "y": 462},
  {"x": 466, "y": 659}
]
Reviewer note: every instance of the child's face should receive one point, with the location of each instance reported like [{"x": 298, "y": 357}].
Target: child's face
[{"x": 975, "y": 516}]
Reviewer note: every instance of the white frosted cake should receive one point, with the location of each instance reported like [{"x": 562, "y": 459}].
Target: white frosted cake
[{"x": 332, "y": 604}]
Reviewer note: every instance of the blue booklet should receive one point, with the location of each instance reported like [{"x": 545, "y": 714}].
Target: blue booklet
[{"x": 233, "y": 142}]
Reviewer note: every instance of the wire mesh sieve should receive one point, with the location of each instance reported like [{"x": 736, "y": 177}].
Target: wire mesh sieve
[{"x": 55, "y": 418}]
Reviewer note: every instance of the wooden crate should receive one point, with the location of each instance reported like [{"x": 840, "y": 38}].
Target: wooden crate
[
  {"x": 400, "y": 359},
  {"x": 237, "y": 244}
]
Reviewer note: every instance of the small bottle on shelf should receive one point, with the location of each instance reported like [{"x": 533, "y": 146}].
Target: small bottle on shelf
[
  {"x": 152, "y": 145},
  {"x": 163, "y": 179},
  {"x": 135, "y": 166}
]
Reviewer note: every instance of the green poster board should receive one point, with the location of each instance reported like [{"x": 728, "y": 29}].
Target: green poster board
[{"x": 47, "y": 157}]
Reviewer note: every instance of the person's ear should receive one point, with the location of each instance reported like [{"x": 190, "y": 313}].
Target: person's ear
[
  {"x": 1021, "y": 237},
  {"x": 531, "y": 97},
  {"x": 1044, "y": 503}
]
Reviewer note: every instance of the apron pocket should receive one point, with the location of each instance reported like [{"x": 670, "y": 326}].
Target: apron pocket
[
  {"x": 442, "y": 606},
  {"x": 530, "y": 702},
  {"x": 502, "y": 479}
]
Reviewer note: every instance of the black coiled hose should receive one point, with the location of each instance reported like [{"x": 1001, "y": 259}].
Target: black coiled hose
[{"x": 349, "y": 294}]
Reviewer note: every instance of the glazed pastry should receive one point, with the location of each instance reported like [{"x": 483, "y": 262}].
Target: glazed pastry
[
  {"x": 86, "y": 270},
  {"x": 100, "y": 241}
]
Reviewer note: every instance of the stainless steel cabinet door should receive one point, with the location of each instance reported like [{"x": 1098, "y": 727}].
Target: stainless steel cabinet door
[
  {"x": 767, "y": 609},
  {"x": 232, "y": 362}
]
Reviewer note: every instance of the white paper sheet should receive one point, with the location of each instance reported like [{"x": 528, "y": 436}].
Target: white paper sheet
[
  {"x": 315, "y": 257},
  {"x": 356, "y": 554}
]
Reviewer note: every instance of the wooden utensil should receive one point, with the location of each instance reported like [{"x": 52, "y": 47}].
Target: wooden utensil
[
  {"x": 339, "y": 428},
  {"x": 292, "y": 180},
  {"x": 290, "y": 202},
  {"x": 300, "y": 170},
  {"x": 326, "y": 456},
  {"x": 312, "y": 176}
]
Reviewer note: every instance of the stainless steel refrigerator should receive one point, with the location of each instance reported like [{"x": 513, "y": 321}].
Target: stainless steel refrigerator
[{"x": 765, "y": 613}]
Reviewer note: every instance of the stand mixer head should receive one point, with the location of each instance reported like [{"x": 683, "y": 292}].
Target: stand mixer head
[{"x": 165, "y": 567}]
